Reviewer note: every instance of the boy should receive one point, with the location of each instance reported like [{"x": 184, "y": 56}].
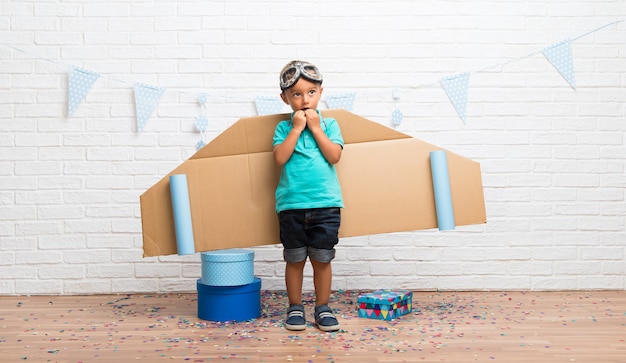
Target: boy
[{"x": 308, "y": 196}]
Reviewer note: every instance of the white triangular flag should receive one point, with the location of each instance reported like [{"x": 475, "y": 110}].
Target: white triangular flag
[
  {"x": 146, "y": 99},
  {"x": 79, "y": 83},
  {"x": 268, "y": 105},
  {"x": 560, "y": 55},
  {"x": 456, "y": 87},
  {"x": 344, "y": 100}
]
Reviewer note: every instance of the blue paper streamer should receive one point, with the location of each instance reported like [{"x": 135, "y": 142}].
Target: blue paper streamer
[
  {"x": 182, "y": 214},
  {"x": 441, "y": 186}
]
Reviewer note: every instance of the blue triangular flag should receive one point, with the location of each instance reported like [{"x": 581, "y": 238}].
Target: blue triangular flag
[
  {"x": 146, "y": 99},
  {"x": 268, "y": 105},
  {"x": 79, "y": 83},
  {"x": 345, "y": 101},
  {"x": 560, "y": 55},
  {"x": 456, "y": 87}
]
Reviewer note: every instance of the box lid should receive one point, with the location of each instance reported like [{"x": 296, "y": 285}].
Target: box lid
[
  {"x": 379, "y": 296},
  {"x": 254, "y": 286},
  {"x": 228, "y": 255}
]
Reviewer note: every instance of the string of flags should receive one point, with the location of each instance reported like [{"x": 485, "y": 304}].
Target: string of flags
[
  {"x": 456, "y": 87},
  {"x": 558, "y": 54}
]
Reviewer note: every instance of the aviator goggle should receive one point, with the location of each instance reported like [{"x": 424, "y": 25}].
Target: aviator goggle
[{"x": 292, "y": 73}]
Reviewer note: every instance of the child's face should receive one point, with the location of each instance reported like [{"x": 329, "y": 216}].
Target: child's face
[{"x": 302, "y": 95}]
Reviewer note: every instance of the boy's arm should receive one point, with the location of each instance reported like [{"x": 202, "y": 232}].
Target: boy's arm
[
  {"x": 283, "y": 151},
  {"x": 330, "y": 150}
]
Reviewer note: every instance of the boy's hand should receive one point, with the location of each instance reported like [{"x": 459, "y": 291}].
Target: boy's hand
[
  {"x": 312, "y": 119},
  {"x": 299, "y": 120}
]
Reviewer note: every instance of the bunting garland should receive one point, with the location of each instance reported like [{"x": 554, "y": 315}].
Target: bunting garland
[
  {"x": 456, "y": 87},
  {"x": 560, "y": 55},
  {"x": 79, "y": 83},
  {"x": 146, "y": 99}
]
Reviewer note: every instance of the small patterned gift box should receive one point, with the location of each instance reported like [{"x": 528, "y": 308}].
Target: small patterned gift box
[
  {"x": 385, "y": 304},
  {"x": 231, "y": 267}
]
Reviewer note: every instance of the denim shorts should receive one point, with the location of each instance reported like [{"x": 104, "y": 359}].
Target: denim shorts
[{"x": 309, "y": 232}]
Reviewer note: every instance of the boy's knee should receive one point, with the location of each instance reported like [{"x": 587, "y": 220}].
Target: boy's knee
[
  {"x": 295, "y": 255},
  {"x": 321, "y": 255}
]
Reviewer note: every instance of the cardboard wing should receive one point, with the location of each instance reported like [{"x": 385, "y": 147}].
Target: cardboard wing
[{"x": 384, "y": 174}]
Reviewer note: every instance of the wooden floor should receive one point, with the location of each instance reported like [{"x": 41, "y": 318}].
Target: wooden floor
[{"x": 443, "y": 327}]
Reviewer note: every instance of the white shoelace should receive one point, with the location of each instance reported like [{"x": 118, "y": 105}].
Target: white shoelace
[
  {"x": 296, "y": 313},
  {"x": 326, "y": 315}
]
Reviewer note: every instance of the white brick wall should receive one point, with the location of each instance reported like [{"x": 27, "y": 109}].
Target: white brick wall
[{"x": 553, "y": 158}]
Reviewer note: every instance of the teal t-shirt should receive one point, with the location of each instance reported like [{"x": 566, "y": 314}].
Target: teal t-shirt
[{"x": 307, "y": 180}]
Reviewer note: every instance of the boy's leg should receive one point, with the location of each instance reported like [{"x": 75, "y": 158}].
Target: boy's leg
[
  {"x": 294, "y": 275},
  {"x": 293, "y": 281},
  {"x": 322, "y": 281},
  {"x": 322, "y": 278},
  {"x": 293, "y": 238},
  {"x": 323, "y": 238}
]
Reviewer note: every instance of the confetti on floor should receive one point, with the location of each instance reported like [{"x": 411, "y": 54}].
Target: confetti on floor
[{"x": 443, "y": 327}]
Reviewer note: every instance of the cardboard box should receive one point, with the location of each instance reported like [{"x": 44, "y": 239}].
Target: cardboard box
[
  {"x": 384, "y": 174},
  {"x": 385, "y": 304}
]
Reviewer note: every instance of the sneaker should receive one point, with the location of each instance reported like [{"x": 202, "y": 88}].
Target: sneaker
[
  {"x": 325, "y": 319},
  {"x": 295, "y": 318}
]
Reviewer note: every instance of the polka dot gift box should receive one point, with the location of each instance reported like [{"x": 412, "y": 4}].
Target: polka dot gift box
[
  {"x": 230, "y": 267},
  {"x": 385, "y": 304}
]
